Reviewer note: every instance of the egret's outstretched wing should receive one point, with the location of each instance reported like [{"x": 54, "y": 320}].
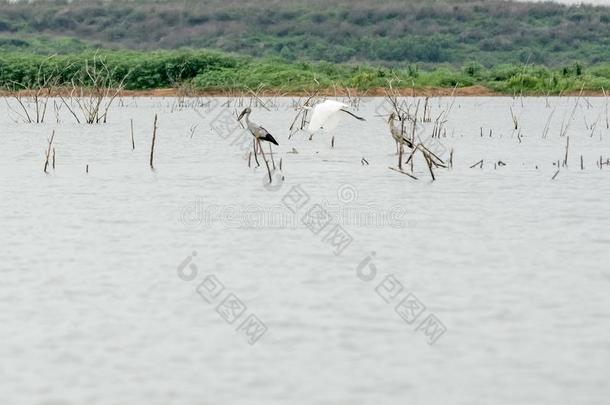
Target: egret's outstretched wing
[
  {"x": 353, "y": 115},
  {"x": 326, "y": 115}
]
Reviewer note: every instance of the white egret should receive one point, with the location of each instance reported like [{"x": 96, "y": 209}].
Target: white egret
[
  {"x": 260, "y": 134},
  {"x": 327, "y": 115}
]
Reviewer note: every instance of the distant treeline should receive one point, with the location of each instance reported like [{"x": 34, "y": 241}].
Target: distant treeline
[
  {"x": 392, "y": 32},
  {"x": 214, "y": 71}
]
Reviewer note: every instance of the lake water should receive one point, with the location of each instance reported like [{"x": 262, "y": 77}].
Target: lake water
[{"x": 488, "y": 285}]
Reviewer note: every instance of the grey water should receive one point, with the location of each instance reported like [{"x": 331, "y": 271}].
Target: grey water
[{"x": 341, "y": 282}]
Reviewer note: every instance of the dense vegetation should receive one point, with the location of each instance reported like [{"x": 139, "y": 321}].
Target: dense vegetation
[
  {"x": 391, "y": 33},
  {"x": 218, "y": 71}
]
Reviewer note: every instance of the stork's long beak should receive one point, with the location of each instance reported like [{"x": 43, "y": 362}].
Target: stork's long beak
[{"x": 241, "y": 115}]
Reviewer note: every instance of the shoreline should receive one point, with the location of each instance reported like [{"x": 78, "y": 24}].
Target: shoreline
[{"x": 470, "y": 91}]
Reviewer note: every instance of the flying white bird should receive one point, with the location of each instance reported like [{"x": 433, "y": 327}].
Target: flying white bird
[{"x": 327, "y": 115}]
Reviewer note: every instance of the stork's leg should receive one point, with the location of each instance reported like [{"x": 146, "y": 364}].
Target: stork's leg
[
  {"x": 271, "y": 153},
  {"x": 255, "y": 154},
  {"x": 332, "y": 142},
  {"x": 265, "y": 159},
  {"x": 397, "y": 152},
  {"x": 412, "y": 160},
  {"x": 400, "y": 157}
]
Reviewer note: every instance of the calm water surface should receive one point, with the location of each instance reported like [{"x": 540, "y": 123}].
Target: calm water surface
[{"x": 514, "y": 265}]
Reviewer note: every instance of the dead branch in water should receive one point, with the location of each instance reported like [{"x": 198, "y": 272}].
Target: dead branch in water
[
  {"x": 564, "y": 129},
  {"x": 152, "y": 146},
  {"x": 555, "y": 175},
  {"x": 545, "y": 131},
  {"x": 607, "y": 120},
  {"x": 133, "y": 142},
  {"x": 514, "y": 118},
  {"x": 429, "y": 162},
  {"x": 479, "y": 163},
  {"x": 303, "y": 111},
  {"x": 256, "y": 97},
  {"x": 427, "y": 116},
  {"x": 37, "y": 88},
  {"x": 46, "y": 163},
  {"x": 94, "y": 89},
  {"x": 401, "y": 111},
  {"x": 403, "y": 172},
  {"x": 69, "y": 108}
]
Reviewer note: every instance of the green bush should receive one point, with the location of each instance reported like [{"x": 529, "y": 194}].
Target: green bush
[{"x": 209, "y": 70}]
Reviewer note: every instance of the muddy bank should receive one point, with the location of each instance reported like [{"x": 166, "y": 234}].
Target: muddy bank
[{"x": 471, "y": 91}]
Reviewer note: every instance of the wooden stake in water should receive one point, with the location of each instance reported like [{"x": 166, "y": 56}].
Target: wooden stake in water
[
  {"x": 565, "y": 159},
  {"x": 133, "y": 142},
  {"x": 555, "y": 175},
  {"x": 53, "y": 159},
  {"x": 405, "y": 173},
  {"x": 607, "y": 120},
  {"x": 514, "y": 118},
  {"x": 152, "y": 146},
  {"x": 46, "y": 163},
  {"x": 429, "y": 162},
  {"x": 479, "y": 163}
]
